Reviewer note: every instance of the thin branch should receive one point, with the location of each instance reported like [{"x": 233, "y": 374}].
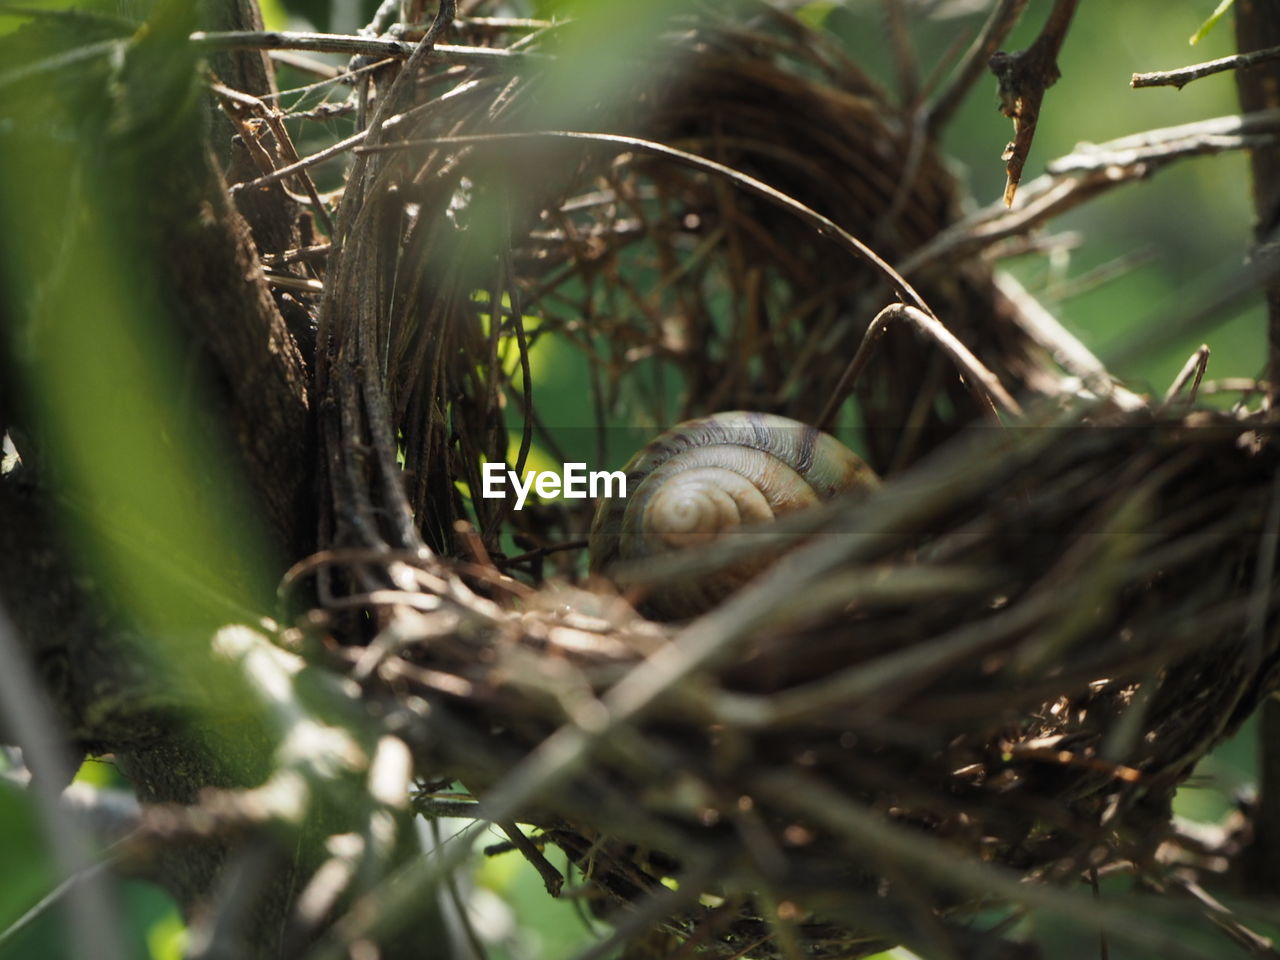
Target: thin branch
[
  {"x": 94, "y": 923},
  {"x": 73, "y": 17},
  {"x": 1024, "y": 77},
  {"x": 297, "y": 284},
  {"x": 918, "y": 141},
  {"x": 985, "y": 384},
  {"x": 1004, "y": 17},
  {"x": 458, "y": 904},
  {"x": 505, "y": 23},
  {"x": 56, "y": 897},
  {"x": 1067, "y": 351},
  {"x": 357, "y": 46},
  {"x": 1183, "y": 75},
  {"x": 431, "y": 806},
  {"x": 552, "y": 878},
  {"x": 1194, "y": 315},
  {"x": 316, "y": 251},
  {"x": 327, "y": 71},
  {"x": 903, "y": 52},
  {"x": 1194, "y": 367},
  {"x": 1222, "y": 916},
  {"x": 1044, "y": 198},
  {"x": 291, "y": 40},
  {"x": 236, "y": 106},
  {"x": 522, "y": 345},
  {"x": 539, "y": 553},
  {"x": 1246, "y": 385},
  {"x": 329, "y": 77},
  {"x": 383, "y": 17},
  {"x": 1215, "y": 135},
  {"x": 61, "y": 61},
  {"x": 1060, "y": 288},
  {"x": 1089, "y": 171},
  {"x": 320, "y": 156}
]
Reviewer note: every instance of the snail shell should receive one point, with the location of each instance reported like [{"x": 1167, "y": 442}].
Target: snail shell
[{"x": 705, "y": 478}]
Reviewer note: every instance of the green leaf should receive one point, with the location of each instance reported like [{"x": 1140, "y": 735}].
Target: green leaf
[
  {"x": 814, "y": 14},
  {"x": 1209, "y": 24},
  {"x": 274, "y": 14},
  {"x": 167, "y": 937}
]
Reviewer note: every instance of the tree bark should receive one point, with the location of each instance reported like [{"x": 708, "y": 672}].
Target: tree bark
[{"x": 1257, "y": 28}]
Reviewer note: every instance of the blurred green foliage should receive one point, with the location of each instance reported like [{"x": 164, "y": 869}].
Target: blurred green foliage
[
  {"x": 128, "y": 431},
  {"x": 152, "y": 928}
]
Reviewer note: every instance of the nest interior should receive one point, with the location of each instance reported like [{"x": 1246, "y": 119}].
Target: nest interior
[{"x": 1007, "y": 658}]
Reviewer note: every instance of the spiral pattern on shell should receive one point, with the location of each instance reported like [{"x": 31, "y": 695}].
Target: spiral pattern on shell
[{"x": 705, "y": 478}]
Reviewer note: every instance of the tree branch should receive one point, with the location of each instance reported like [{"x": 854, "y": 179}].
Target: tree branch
[
  {"x": 1091, "y": 170},
  {"x": 1183, "y": 75},
  {"x": 1258, "y": 37},
  {"x": 985, "y": 384},
  {"x": 1258, "y": 29},
  {"x": 1216, "y": 135},
  {"x": 1024, "y": 77},
  {"x": 361, "y": 46}
]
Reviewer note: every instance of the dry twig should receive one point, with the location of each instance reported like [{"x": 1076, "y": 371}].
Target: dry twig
[
  {"x": 1024, "y": 77},
  {"x": 1183, "y": 75}
]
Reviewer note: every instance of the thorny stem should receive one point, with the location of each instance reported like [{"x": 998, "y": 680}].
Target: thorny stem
[{"x": 1024, "y": 77}]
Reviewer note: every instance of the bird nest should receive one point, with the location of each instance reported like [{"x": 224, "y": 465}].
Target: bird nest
[{"x": 998, "y": 667}]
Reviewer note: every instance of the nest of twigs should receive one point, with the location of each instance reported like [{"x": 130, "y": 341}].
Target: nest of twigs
[{"x": 1001, "y": 667}]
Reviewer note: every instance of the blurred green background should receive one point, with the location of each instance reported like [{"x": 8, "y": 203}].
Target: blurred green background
[{"x": 1185, "y": 232}]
